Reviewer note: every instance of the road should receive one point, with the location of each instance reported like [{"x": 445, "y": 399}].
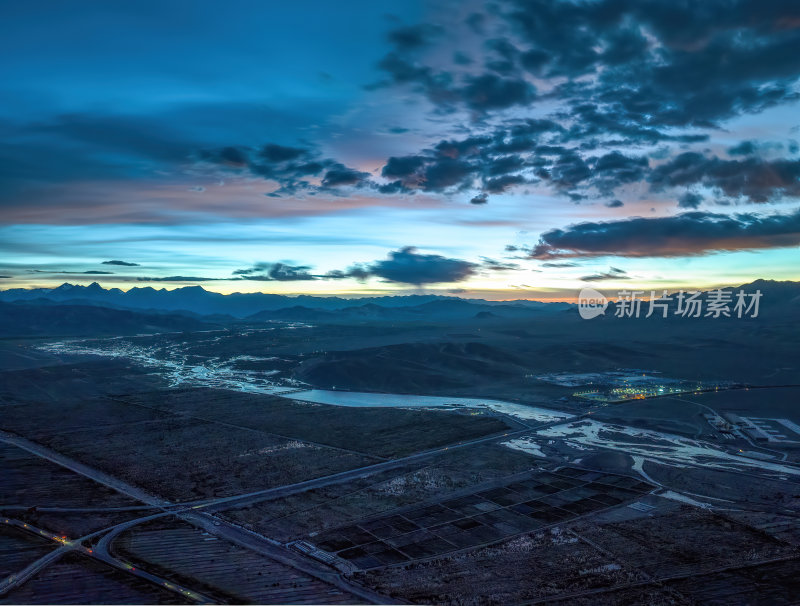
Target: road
[
  {"x": 189, "y": 512},
  {"x": 198, "y": 512},
  {"x": 68, "y": 545},
  {"x": 15, "y": 580},
  {"x": 783, "y": 455},
  {"x": 336, "y": 478},
  {"x": 278, "y": 552},
  {"x": 84, "y": 470},
  {"x": 79, "y": 509}
]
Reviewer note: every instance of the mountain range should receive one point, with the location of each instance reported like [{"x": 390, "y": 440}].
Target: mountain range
[
  {"x": 73, "y": 310},
  {"x": 197, "y": 300}
]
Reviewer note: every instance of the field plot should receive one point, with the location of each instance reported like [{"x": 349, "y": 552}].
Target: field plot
[
  {"x": 683, "y": 556},
  {"x": 386, "y": 432},
  {"x": 187, "y": 458},
  {"x": 782, "y": 527},
  {"x": 74, "y": 382},
  {"x": 30, "y": 481},
  {"x": 79, "y": 580},
  {"x": 483, "y": 517},
  {"x": 775, "y": 583},
  {"x": 534, "y": 566},
  {"x": 40, "y": 420},
  {"x": 18, "y": 549},
  {"x": 224, "y": 570},
  {"x": 455, "y": 470},
  {"x": 688, "y": 541}
]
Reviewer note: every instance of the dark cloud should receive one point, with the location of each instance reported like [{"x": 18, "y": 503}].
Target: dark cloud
[
  {"x": 432, "y": 171},
  {"x": 593, "y": 123},
  {"x": 445, "y": 173},
  {"x": 176, "y": 279},
  {"x": 615, "y": 169},
  {"x": 609, "y": 74},
  {"x": 91, "y": 272},
  {"x": 414, "y": 36},
  {"x": 636, "y": 70},
  {"x": 476, "y": 22},
  {"x": 500, "y": 88},
  {"x": 402, "y": 168},
  {"x": 471, "y": 147},
  {"x": 495, "y": 265},
  {"x": 690, "y": 200},
  {"x": 501, "y": 184},
  {"x": 395, "y": 187},
  {"x": 752, "y": 178},
  {"x": 290, "y": 167},
  {"x": 77, "y": 148},
  {"x": 135, "y": 136},
  {"x": 407, "y": 266},
  {"x": 232, "y": 157},
  {"x": 402, "y": 66},
  {"x": 359, "y": 272},
  {"x": 275, "y": 272},
  {"x": 339, "y": 175},
  {"x": 762, "y": 148},
  {"x": 492, "y": 92},
  {"x": 279, "y": 153},
  {"x": 518, "y": 153},
  {"x": 613, "y": 273},
  {"x": 745, "y": 148},
  {"x": 460, "y": 58},
  {"x": 569, "y": 171},
  {"x": 122, "y": 263},
  {"x": 691, "y": 233},
  {"x": 410, "y": 267},
  {"x": 492, "y": 163},
  {"x": 503, "y": 165},
  {"x": 615, "y": 203},
  {"x": 660, "y": 63}
]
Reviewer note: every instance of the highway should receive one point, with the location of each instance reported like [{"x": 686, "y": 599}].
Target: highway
[
  {"x": 777, "y": 453},
  {"x": 337, "y": 478},
  {"x": 198, "y": 514},
  {"x": 79, "y": 509},
  {"x": 221, "y": 528},
  {"x": 32, "y": 569},
  {"x": 84, "y": 470},
  {"x": 98, "y": 553},
  {"x": 278, "y": 552}
]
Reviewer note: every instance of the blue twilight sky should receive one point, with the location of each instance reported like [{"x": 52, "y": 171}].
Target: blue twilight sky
[{"x": 501, "y": 149}]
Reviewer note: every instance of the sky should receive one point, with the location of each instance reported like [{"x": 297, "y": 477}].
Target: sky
[{"x": 506, "y": 149}]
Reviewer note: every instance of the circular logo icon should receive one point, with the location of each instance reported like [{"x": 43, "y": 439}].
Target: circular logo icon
[{"x": 591, "y": 303}]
